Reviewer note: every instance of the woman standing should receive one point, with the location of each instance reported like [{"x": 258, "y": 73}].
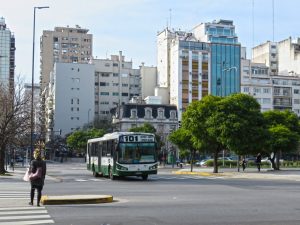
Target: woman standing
[{"x": 38, "y": 172}]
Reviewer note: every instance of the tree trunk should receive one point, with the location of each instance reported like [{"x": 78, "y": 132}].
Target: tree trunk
[
  {"x": 215, "y": 162},
  {"x": 192, "y": 159},
  {"x": 2, "y": 161},
  {"x": 277, "y": 160},
  {"x": 272, "y": 159}
]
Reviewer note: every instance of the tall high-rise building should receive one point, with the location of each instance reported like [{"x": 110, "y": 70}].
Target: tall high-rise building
[
  {"x": 7, "y": 55},
  {"x": 64, "y": 44},
  {"x": 205, "y": 61}
]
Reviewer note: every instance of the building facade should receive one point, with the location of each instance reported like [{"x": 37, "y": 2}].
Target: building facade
[
  {"x": 70, "y": 99},
  {"x": 193, "y": 65},
  {"x": 65, "y": 45},
  {"x": 116, "y": 82},
  {"x": 7, "y": 55}
]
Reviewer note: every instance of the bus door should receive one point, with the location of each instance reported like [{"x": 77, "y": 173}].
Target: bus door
[{"x": 89, "y": 152}]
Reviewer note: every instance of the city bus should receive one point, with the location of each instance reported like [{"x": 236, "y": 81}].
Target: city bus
[{"x": 122, "y": 154}]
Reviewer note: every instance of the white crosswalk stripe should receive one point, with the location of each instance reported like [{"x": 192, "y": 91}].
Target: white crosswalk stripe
[
  {"x": 12, "y": 192},
  {"x": 24, "y": 216}
]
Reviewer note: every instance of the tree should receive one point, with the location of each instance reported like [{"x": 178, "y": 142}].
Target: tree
[
  {"x": 14, "y": 117},
  {"x": 284, "y": 131},
  {"x": 239, "y": 125},
  {"x": 198, "y": 120},
  {"x": 185, "y": 141},
  {"x": 78, "y": 139}
]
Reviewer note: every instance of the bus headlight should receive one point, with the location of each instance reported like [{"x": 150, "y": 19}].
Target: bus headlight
[
  {"x": 154, "y": 167},
  {"x": 119, "y": 167}
]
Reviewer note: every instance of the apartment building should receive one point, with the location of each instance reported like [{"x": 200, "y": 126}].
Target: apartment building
[
  {"x": 257, "y": 82},
  {"x": 205, "y": 61},
  {"x": 61, "y": 45},
  {"x": 116, "y": 82},
  {"x": 70, "y": 98},
  {"x": 279, "y": 92},
  {"x": 267, "y": 53},
  {"x": 64, "y": 44},
  {"x": 7, "y": 55}
]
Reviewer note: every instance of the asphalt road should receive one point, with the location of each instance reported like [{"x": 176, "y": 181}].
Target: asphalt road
[{"x": 171, "y": 199}]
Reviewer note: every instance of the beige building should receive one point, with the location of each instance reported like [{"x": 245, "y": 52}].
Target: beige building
[
  {"x": 64, "y": 44},
  {"x": 266, "y": 53}
]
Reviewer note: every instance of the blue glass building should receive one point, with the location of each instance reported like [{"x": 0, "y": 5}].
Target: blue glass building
[{"x": 225, "y": 56}]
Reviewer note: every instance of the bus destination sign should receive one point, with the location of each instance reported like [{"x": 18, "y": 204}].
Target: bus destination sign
[{"x": 137, "y": 138}]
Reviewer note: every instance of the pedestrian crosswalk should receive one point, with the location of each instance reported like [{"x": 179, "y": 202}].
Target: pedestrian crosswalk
[
  {"x": 24, "y": 216},
  {"x": 14, "y": 197}
]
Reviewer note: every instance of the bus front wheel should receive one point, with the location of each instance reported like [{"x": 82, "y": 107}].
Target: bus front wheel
[{"x": 145, "y": 177}]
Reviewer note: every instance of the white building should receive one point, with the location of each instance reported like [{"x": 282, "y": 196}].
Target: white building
[
  {"x": 116, "y": 82},
  {"x": 257, "y": 82},
  {"x": 70, "y": 101},
  {"x": 148, "y": 80},
  {"x": 279, "y": 91}
]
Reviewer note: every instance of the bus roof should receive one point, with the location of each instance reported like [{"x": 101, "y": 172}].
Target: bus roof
[{"x": 115, "y": 135}]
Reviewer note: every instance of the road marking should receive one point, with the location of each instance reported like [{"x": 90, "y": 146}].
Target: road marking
[
  {"x": 80, "y": 180},
  {"x": 24, "y": 216},
  {"x": 29, "y": 222}
]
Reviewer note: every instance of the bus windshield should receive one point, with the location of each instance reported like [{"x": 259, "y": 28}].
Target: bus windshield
[{"x": 136, "y": 153}]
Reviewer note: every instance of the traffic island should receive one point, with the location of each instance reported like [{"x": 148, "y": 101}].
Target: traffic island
[
  {"x": 76, "y": 199},
  {"x": 204, "y": 174}
]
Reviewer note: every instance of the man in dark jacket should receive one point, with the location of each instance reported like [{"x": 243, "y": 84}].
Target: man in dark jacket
[{"x": 37, "y": 182}]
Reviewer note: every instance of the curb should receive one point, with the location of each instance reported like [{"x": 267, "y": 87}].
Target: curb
[
  {"x": 206, "y": 174},
  {"x": 76, "y": 199}
]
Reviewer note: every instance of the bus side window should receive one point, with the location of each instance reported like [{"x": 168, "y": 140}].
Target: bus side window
[
  {"x": 109, "y": 148},
  {"x": 104, "y": 148}
]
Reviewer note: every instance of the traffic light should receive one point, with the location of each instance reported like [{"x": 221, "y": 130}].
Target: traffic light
[{"x": 179, "y": 124}]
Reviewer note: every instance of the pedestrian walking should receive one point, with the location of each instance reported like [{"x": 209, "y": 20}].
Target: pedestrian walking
[
  {"x": 258, "y": 161},
  {"x": 37, "y": 171},
  {"x": 244, "y": 164}
]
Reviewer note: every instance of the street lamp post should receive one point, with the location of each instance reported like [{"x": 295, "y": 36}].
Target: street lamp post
[
  {"x": 32, "y": 82},
  {"x": 89, "y": 117}
]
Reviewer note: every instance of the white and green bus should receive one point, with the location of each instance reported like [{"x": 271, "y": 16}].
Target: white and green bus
[{"x": 122, "y": 154}]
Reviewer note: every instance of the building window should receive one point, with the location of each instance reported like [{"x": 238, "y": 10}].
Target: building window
[
  {"x": 148, "y": 113},
  {"x": 297, "y": 101},
  {"x": 296, "y": 91},
  {"x": 104, "y": 93},
  {"x": 104, "y": 74},
  {"x": 124, "y": 94},
  {"x": 124, "y": 85},
  {"x": 115, "y": 94},
  {"x": 246, "y": 89},
  {"x": 115, "y": 64},
  {"x": 266, "y": 101},
  {"x": 172, "y": 114},
  {"x": 115, "y": 74},
  {"x": 160, "y": 113},
  {"x": 133, "y": 113},
  {"x": 266, "y": 90},
  {"x": 115, "y": 84},
  {"x": 256, "y": 90}
]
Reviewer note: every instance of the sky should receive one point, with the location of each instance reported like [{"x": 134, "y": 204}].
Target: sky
[{"x": 131, "y": 26}]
